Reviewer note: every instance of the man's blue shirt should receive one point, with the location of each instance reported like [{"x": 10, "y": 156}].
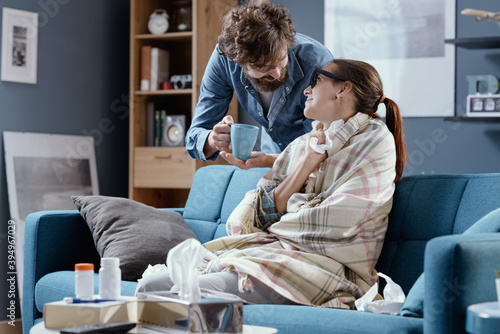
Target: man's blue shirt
[{"x": 285, "y": 119}]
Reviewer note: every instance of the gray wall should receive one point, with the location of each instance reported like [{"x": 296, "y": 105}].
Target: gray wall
[
  {"x": 82, "y": 80},
  {"x": 434, "y": 145}
]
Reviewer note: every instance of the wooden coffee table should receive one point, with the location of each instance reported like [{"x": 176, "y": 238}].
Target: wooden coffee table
[{"x": 247, "y": 329}]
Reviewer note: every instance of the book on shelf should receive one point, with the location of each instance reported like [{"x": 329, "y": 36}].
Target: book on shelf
[
  {"x": 158, "y": 127},
  {"x": 160, "y": 68},
  {"x": 164, "y": 129},
  {"x": 150, "y": 124},
  {"x": 155, "y": 67},
  {"x": 145, "y": 66},
  {"x": 153, "y": 117}
]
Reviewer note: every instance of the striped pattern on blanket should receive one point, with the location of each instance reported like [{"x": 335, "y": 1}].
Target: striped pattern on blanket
[{"x": 323, "y": 251}]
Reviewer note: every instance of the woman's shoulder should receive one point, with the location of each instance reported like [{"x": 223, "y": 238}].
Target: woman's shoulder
[
  {"x": 369, "y": 124},
  {"x": 375, "y": 130}
]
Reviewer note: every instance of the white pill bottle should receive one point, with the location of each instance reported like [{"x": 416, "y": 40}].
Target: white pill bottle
[
  {"x": 110, "y": 277},
  {"x": 84, "y": 280}
]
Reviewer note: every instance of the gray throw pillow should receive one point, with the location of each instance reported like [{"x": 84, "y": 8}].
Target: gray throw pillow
[{"x": 135, "y": 233}]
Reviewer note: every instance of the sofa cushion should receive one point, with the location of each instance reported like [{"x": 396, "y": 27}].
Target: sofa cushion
[
  {"x": 203, "y": 229},
  {"x": 490, "y": 223},
  {"x": 310, "y": 319},
  {"x": 241, "y": 182},
  {"x": 216, "y": 191},
  {"x": 57, "y": 285},
  {"x": 135, "y": 233},
  {"x": 410, "y": 227},
  {"x": 414, "y": 303},
  {"x": 207, "y": 193},
  {"x": 477, "y": 200}
]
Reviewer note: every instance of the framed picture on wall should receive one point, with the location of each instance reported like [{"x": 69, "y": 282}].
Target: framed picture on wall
[
  {"x": 43, "y": 172},
  {"x": 404, "y": 41},
  {"x": 19, "y": 45}
]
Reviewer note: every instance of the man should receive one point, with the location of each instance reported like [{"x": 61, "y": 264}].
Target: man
[{"x": 268, "y": 65}]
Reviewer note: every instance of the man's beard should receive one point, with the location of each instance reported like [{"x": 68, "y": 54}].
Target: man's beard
[{"x": 268, "y": 83}]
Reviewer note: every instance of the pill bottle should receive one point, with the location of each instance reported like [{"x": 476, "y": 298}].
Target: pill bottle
[
  {"x": 84, "y": 280},
  {"x": 110, "y": 278}
]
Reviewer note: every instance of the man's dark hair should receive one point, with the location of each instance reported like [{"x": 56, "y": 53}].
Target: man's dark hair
[{"x": 256, "y": 34}]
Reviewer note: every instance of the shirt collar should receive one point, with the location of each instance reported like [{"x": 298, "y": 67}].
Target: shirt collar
[{"x": 295, "y": 72}]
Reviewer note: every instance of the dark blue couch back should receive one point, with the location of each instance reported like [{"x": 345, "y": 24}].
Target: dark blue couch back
[
  {"x": 425, "y": 206},
  {"x": 428, "y": 206}
]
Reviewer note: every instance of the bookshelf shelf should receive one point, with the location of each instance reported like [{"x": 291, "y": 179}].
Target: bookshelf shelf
[
  {"x": 172, "y": 36},
  {"x": 165, "y": 92},
  {"x": 472, "y": 119},
  {"x": 161, "y": 176}
]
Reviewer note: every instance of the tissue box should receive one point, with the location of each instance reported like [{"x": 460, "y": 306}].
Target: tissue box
[{"x": 209, "y": 315}]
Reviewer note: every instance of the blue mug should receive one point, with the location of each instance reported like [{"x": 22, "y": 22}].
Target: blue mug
[{"x": 243, "y": 139}]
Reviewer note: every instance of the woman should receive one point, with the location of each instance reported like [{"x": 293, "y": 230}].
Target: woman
[{"x": 312, "y": 231}]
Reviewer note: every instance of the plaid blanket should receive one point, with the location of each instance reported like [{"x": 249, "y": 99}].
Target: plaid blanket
[{"x": 324, "y": 249}]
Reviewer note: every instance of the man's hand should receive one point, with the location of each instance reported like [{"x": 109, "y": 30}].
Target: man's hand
[
  {"x": 257, "y": 159},
  {"x": 219, "y": 139}
]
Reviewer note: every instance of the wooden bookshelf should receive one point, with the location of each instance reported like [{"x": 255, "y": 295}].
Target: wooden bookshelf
[{"x": 162, "y": 176}]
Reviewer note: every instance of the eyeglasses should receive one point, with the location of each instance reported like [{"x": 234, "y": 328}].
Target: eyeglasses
[{"x": 317, "y": 72}]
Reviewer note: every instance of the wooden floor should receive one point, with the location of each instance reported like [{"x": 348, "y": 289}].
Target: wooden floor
[{"x": 6, "y": 328}]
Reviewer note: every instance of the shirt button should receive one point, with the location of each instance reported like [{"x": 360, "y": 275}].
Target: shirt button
[
  {"x": 271, "y": 130},
  {"x": 260, "y": 114},
  {"x": 252, "y": 91},
  {"x": 280, "y": 144},
  {"x": 287, "y": 89},
  {"x": 281, "y": 100}
]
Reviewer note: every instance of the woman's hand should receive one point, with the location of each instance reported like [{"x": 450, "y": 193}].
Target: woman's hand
[
  {"x": 313, "y": 159},
  {"x": 299, "y": 175}
]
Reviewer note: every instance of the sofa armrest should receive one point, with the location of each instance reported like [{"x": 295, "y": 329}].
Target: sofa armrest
[
  {"x": 459, "y": 271},
  {"x": 53, "y": 241}
]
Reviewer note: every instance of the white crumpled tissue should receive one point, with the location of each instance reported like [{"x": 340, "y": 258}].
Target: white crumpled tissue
[
  {"x": 394, "y": 298},
  {"x": 332, "y": 129},
  {"x": 182, "y": 264},
  {"x": 150, "y": 270}
]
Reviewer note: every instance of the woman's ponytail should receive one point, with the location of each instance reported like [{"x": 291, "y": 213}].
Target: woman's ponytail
[{"x": 394, "y": 122}]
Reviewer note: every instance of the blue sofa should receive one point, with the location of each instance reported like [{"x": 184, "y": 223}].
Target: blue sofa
[{"x": 426, "y": 233}]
